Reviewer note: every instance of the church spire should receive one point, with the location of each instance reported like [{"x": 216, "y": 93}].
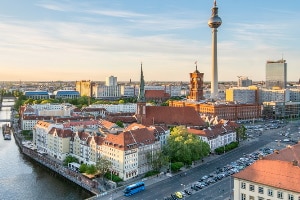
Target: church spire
[{"x": 141, "y": 97}]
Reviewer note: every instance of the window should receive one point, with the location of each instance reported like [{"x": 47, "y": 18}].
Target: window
[
  {"x": 243, "y": 196},
  {"x": 260, "y": 198},
  {"x": 270, "y": 192},
  {"x": 279, "y": 195},
  {"x": 260, "y": 190},
  {"x": 251, "y": 188},
  {"x": 243, "y": 185},
  {"x": 291, "y": 197}
]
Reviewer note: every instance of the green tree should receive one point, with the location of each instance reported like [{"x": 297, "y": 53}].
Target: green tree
[
  {"x": 157, "y": 160},
  {"x": 83, "y": 168},
  {"x": 241, "y": 133},
  {"x": 91, "y": 169},
  {"x": 175, "y": 167},
  {"x": 29, "y": 101},
  {"x": 70, "y": 159},
  {"x": 103, "y": 165},
  {"x": 185, "y": 147},
  {"x": 120, "y": 124}
]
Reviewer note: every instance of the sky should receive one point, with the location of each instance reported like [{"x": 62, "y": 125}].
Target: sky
[{"x": 69, "y": 40}]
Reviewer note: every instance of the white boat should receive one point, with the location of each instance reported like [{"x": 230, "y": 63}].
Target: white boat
[{"x": 7, "y": 137}]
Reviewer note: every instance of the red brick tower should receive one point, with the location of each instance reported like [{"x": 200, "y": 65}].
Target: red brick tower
[{"x": 196, "y": 85}]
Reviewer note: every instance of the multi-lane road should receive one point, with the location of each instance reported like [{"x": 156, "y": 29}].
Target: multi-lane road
[{"x": 217, "y": 191}]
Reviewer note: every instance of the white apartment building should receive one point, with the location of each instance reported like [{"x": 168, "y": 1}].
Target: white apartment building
[
  {"x": 217, "y": 136},
  {"x": 58, "y": 143},
  {"x": 111, "y": 81},
  {"x": 107, "y": 92},
  {"x": 126, "y": 108},
  {"x": 294, "y": 95},
  {"x": 40, "y": 134},
  {"x": 129, "y": 90},
  {"x": 241, "y": 95},
  {"x": 275, "y": 176},
  {"x": 133, "y": 90},
  {"x": 28, "y": 122},
  {"x": 127, "y": 151},
  {"x": 273, "y": 95},
  {"x": 243, "y": 81}
]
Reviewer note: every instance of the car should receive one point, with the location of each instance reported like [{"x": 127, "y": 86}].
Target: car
[
  {"x": 174, "y": 197},
  {"x": 187, "y": 192},
  {"x": 204, "y": 178},
  {"x": 178, "y": 195},
  {"x": 193, "y": 187}
]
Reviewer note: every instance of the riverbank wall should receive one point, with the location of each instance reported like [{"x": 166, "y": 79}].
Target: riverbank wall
[{"x": 77, "y": 178}]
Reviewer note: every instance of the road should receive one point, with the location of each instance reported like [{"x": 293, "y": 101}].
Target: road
[{"x": 168, "y": 186}]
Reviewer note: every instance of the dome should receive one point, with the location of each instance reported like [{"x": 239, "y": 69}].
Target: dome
[{"x": 214, "y": 22}]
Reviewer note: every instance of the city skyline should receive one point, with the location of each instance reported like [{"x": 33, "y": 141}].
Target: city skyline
[{"x": 74, "y": 40}]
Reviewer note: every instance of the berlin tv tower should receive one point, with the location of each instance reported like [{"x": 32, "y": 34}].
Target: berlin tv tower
[{"x": 214, "y": 22}]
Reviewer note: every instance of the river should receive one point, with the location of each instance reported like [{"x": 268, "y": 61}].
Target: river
[{"x": 22, "y": 178}]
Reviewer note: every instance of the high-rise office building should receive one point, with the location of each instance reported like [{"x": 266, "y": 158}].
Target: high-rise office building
[
  {"x": 111, "y": 81},
  {"x": 276, "y": 74}
]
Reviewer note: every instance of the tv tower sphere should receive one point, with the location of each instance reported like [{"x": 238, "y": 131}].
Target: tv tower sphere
[{"x": 215, "y": 21}]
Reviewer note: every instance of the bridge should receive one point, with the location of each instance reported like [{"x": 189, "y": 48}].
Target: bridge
[
  {"x": 6, "y": 120},
  {"x": 7, "y": 99}
]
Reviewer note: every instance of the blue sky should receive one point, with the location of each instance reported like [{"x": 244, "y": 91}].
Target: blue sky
[{"x": 93, "y": 39}]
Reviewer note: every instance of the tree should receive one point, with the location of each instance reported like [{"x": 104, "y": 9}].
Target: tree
[
  {"x": 103, "y": 165},
  {"x": 241, "y": 133},
  {"x": 91, "y": 169},
  {"x": 70, "y": 159},
  {"x": 120, "y": 124},
  {"x": 185, "y": 147},
  {"x": 157, "y": 160},
  {"x": 83, "y": 168}
]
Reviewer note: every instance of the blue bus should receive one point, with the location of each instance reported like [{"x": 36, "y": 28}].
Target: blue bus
[{"x": 134, "y": 188}]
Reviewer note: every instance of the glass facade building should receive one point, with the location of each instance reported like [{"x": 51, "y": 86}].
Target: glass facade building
[{"x": 276, "y": 74}]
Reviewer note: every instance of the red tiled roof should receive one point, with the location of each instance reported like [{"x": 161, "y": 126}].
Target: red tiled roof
[
  {"x": 130, "y": 139},
  {"x": 63, "y": 133},
  {"x": 35, "y": 117},
  {"x": 156, "y": 94},
  {"x": 289, "y": 154},
  {"x": 172, "y": 116},
  {"x": 106, "y": 124},
  {"x": 274, "y": 173},
  {"x": 125, "y": 119}
]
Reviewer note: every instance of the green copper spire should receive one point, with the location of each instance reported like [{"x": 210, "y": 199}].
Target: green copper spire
[{"x": 141, "y": 97}]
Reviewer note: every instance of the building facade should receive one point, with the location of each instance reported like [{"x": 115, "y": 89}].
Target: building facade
[
  {"x": 275, "y": 176},
  {"x": 84, "y": 87},
  {"x": 243, "y": 81},
  {"x": 276, "y": 74}
]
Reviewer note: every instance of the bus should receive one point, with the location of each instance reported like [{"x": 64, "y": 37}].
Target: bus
[{"x": 134, "y": 188}]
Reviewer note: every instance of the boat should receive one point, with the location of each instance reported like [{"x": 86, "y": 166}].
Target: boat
[
  {"x": 6, "y": 131},
  {"x": 7, "y": 137}
]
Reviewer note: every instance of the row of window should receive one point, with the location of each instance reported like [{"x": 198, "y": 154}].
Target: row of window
[{"x": 270, "y": 192}]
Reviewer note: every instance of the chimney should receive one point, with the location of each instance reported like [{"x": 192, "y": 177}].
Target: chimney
[
  {"x": 295, "y": 162},
  {"x": 260, "y": 157}
]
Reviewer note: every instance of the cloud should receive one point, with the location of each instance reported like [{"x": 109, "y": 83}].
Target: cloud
[{"x": 54, "y": 6}]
